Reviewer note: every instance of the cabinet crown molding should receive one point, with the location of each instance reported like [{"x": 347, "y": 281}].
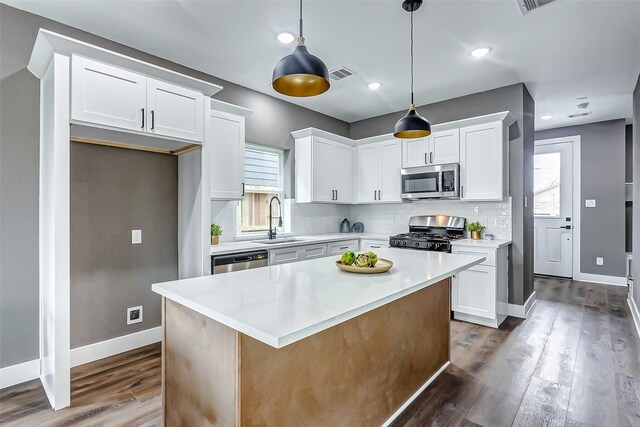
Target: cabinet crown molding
[
  {"x": 225, "y": 107},
  {"x": 47, "y": 43}
]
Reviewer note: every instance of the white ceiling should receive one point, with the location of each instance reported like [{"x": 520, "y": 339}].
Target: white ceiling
[{"x": 563, "y": 51}]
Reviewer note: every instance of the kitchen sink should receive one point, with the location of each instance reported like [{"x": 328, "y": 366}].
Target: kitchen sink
[{"x": 283, "y": 240}]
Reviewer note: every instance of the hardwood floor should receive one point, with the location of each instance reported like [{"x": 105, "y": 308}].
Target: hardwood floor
[{"x": 574, "y": 362}]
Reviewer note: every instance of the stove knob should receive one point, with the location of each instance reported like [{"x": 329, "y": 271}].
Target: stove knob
[
  {"x": 404, "y": 243},
  {"x": 417, "y": 244}
]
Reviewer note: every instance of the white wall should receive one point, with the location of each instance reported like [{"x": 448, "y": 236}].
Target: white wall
[{"x": 394, "y": 218}]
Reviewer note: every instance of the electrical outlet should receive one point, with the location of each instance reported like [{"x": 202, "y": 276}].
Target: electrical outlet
[
  {"x": 134, "y": 315},
  {"x": 599, "y": 261},
  {"x": 136, "y": 237},
  {"x": 590, "y": 203}
]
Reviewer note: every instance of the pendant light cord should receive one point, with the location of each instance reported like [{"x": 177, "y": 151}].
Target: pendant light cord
[
  {"x": 411, "y": 56},
  {"x": 301, "y": 18}
]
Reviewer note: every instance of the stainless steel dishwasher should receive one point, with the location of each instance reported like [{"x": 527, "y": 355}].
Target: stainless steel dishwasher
[{"x": 238, "y": 261}]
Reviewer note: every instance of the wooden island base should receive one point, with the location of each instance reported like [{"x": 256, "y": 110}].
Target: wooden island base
[{"x": 357, "y": 373}]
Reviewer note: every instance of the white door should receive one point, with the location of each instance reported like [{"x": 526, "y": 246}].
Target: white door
[
  {"x": 227, "y": 156},
  {"x": 368, "y": 173},
  {"x": 415, "y": 152},
  {"x": 444, "y": 147},
  {"x": 390, "y": 185},
  {"x": 107, "y": 96},
  {"x": 552, "y": 208},
  {"x": 174, "y": 111},
  {"x": 482, "y": 155},
  {"x": 342, "y": 172},
  {"x": 323, "y": 189}
]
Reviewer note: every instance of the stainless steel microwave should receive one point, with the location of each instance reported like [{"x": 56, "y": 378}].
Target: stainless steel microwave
[{"x": 440, "y": 181}]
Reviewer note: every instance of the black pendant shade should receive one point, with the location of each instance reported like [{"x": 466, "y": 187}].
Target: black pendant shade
[
  {"x": 412, "y": 125},
  {"x": 301, "y": 74}
]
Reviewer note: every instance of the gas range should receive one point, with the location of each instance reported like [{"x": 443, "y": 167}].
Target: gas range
[{"x": 430, "y": 233}]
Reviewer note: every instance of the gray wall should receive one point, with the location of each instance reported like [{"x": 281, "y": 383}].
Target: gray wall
[
  {"x": 516, "y": 99},
  {"x": 271, "y": 124},
  {"x": 602, "y": 148},
  {"x": 114, "y": 191},
  {"x": 636, "y": 193}
]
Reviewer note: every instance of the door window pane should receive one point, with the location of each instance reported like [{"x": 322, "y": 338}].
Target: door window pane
[{"x": 546, "y": 184}]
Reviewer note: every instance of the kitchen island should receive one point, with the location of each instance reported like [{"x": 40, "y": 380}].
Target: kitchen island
[{"x": 305, "y": 343}]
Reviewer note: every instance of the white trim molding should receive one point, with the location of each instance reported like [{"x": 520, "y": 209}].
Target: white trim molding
[
  {"x": 406, "y": 404},
  {"x": 100, "y": 350},
  {"x": 17, "y": 374},
  {"x": 598, "y": 278},
  {"x": 635, "y": 314},
  {"x": 522, "y": 311}
]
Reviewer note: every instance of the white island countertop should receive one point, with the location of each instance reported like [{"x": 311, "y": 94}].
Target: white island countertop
[{"x": 282, "y": 304}]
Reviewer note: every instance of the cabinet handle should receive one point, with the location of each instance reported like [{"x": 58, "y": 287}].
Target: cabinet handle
[
  {"x": 461, "y": 191},
  {"x": 375, "y": 195},
  {"x": 426, "y": 160},
  {"x": 336, "y": 194},
  {"x": 243, "y": 189},
  {"x": 344, "y": 247},
  {"x": 153, "y": 119},
  {"x": 431, "y": 157},
  {"x": 374, "y": 247},
  {"x": 379, "y": 196},
  {"x": 142, "y": 127}
]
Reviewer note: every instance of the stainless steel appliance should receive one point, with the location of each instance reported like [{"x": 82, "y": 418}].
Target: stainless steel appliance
[
  {"x": 430, "y": 233},
  {"x": 440, "y": 181},
  {"x": 239, "y": 261}
]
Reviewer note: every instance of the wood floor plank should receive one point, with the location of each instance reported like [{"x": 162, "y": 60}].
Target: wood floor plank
[{"x": 544, "y": 404}]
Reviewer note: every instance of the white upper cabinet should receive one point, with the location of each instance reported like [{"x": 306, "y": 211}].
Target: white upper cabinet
[
  {"x": 324, "y": 170},
  {"x": 483, "y": 161},
  {"x": 174, "y": 111},
  {"x": 444, "y": 147},
  {"x": 227, "y": 143},
  {"x": 106, "y": 95},
  {"x": 438, "y": 148},
  {"x": 378, "y": 172}
]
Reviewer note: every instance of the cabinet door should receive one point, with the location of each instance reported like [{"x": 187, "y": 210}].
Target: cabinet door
[
  {"x": 482, "y": 165},
  {"x": 338, "y": 248},
  {"x": 368, "y": 173},
  {"x": 390, "y": 165},
  {"x": 373, "y": 245},
  {"x": 322, "y": 183},
  {"x": 473, "y": 291},
  {"x": 107, "y": 96},
  {"x": 284, "y": 256},
  {"x": 312, "y": 251},
  {"x": 342, "y": 172},
  {"x": 415, "y": 152},
  {"x": 444, "y": 147},
  {"x": 174, "y": 111},
  {"x": 227, "y": 156}
]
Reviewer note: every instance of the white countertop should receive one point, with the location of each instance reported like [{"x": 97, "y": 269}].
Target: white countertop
[
  {"x": 482, "y": 243},
  {"x": 250, "y": 245},
  {"x": 281, "y": 304}
]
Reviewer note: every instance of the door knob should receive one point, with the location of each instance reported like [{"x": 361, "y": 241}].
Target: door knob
[{"x": 566, "y": 227}]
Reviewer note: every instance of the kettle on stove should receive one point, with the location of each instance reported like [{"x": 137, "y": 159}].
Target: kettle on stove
[{"x": 345, "y": 226}]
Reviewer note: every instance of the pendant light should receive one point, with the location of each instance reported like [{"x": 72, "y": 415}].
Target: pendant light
[
  {"x": 300, "y": 74},
  {"x": 413, "y": 125}
]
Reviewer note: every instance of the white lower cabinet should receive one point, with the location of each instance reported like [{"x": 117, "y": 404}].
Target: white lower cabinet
[
  {"x": 296, "y": 253},
  {"x": 480, "y": 293},
  {"x": 372, "y": 245},
  {"x": 338, "y": 248}
]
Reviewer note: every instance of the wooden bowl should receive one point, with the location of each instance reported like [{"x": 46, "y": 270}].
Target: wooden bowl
[{"x": 382, "y": 266}]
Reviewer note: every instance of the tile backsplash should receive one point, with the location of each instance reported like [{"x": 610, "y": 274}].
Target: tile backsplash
[{"x": 380, "y": 219}]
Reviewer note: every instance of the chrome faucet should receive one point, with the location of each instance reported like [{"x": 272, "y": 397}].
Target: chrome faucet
[{"x": 272, "y": 232}]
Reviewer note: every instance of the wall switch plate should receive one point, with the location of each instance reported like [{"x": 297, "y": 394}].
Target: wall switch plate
[
  {"x": 136, "y": 237},
  {"x": 590, "y": 203},
  {"x": 599, "y": 261},
  {"x": 134, "y": 315}
]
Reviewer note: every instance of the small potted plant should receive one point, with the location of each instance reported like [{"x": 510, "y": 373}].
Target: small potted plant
[
  {"x": 216, "y": 231},
  {"x": 476, "y": 229}
]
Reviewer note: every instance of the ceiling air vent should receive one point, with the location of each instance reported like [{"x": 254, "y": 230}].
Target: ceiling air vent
[
  {"x": 527, "y": 6},
  {"x": 573, "y": 116},
  {"x": 341, "y": 73}
]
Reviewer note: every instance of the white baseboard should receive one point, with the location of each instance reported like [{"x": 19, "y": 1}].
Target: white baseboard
[
  {"x": 16, "y": 374},
  {"x": 522, "y": 311},
  {"x": 406, "y": 404},
  {"x": 598, "y": 278},
  {"x": 100, "y": 350},
  {"x": 635, "y": 314}
]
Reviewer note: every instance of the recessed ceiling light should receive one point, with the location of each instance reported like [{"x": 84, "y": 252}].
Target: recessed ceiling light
[
  {"x": 374, "y": 85},
  {"x": 480, "y": 52},
  {"x": 546, "y": 116},
  {"x": 286, "y": 38}
]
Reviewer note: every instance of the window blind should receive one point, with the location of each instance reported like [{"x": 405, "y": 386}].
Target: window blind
[{"x": 261, "y": 168}]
